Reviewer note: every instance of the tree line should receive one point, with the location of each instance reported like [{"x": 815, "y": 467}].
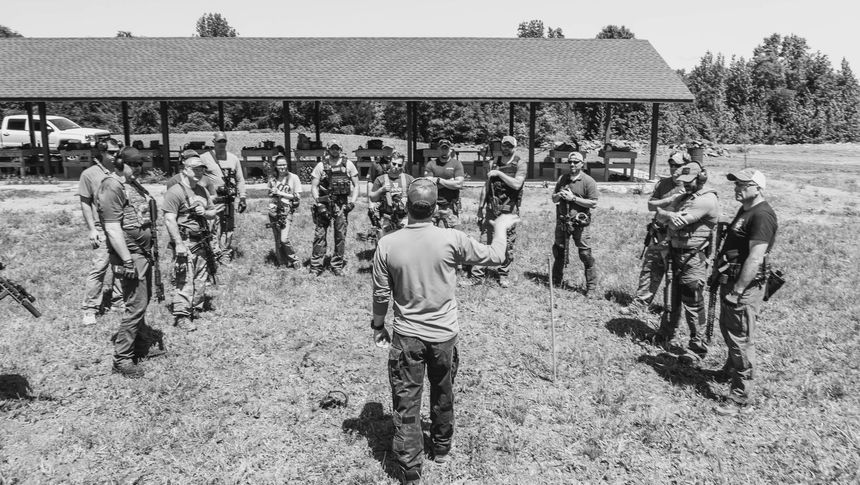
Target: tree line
[{"x": 785, "y": 93}]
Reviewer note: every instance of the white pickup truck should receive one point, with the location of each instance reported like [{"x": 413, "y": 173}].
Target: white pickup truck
[{"x": 14, "y": 131}]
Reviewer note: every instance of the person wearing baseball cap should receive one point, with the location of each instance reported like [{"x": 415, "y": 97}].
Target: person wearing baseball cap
[
  {"x": 690, "y": 220},
  {"x": 96, "y": 302},
  {"x": 447, "y": 171},
  {"x": 380, "y": 166},
  {"x": 502, "y": 194},
  {"x": 389, "y": 191},
  {"x": 414, "y": 270},
  {"x": 334, "y": 188},
  {"x": 204, "y": 182},
  {"x": 188, "y": 208},
  {"x": 123, "y": 209},
  {"x": 656, "y": 253},
  {"x": 749, "y": 239},
  {"x": 575, "y": 194},
  {"x": 224, "y": 169}
]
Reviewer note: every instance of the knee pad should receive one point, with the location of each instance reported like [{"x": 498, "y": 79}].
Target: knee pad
[{"x": 586, "y": 258}]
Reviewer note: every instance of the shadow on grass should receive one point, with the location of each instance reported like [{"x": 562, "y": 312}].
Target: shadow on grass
[
  {"x": 14, "y": 386},
  {"x": 271, "y": 258},
  {"x": 378, "y": 429},
  {"x": 667, "y": 366},
  {"x": 631, "y": 327},
  {"x": 539, "y": 278},
  {"x": 619, "y": 296},
  {"x": 365, "y": 254}
]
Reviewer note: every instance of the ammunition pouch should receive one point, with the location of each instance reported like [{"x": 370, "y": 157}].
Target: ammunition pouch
[{"x": 774, "y": 280}]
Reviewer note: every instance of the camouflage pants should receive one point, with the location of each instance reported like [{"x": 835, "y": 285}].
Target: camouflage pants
[
  {"x": 100, "y": 282},
  {"x": 689, "y": 272},
  {"x": 653, "y": 269},
  {"x": 737, "y": 324},
  {"x": 190, "y": 281},
  {"x": 390, "y": 224},
  {"x": 448, "y": 215},
  {"x": 338, "y": 219},
  {"x": 408, "y": 359},
  {"x": 505, "y": 268}
]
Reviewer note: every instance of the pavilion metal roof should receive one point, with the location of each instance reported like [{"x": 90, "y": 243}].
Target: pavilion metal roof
[{"x": 467, "y": 69}]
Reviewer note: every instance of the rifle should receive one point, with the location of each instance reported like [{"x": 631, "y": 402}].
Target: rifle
[
  {"x": 205, "y": 244},
  {"x": 651, "y": 237},
  {"x": 719, "y": 236},
  {"x": 489, "y": 194},
  {"x": 18, "y": 294},
  {"x": 153, "y": 215}
]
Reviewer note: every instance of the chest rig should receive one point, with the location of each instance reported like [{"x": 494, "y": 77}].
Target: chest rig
[
  {"x": 336, "y": 180},
  {"x": 505, "y": 199},
  {"x": 393, "y": 203}
]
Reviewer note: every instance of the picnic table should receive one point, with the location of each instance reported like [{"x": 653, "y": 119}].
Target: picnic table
[
  {"x": 364, "y": 157},
  {"x": 613, "y": 159}
]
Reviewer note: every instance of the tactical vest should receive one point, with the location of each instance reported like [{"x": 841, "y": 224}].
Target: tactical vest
[
  {"x": 135, "y": 211},
  {"x": 336, "y": 180},
  {"x": 394, "y": 202},
  {"x": 506, "y": 198},
  {"x": 699, "y": 229}
]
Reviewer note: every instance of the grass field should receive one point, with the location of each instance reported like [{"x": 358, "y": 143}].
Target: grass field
[{"x": 236, "y": 401}]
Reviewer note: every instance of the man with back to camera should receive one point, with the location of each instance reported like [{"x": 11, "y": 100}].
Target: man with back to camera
[
  {"x": 690, "y": 220},
  {"x": 502, "y": 194},
  {"x": 654, "y": 260},
  {"x": 101, "y": 285},
  {"x": 575, "y": 194},
  {"x": 417, "y": 267},
  {"x": 749, "y": 239},
  {"x": 225, "y": 172},
  {"x": 448, "y": 173}
]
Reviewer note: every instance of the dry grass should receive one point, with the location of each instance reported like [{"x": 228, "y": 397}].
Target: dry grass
[{"x": 235, "y": 402}]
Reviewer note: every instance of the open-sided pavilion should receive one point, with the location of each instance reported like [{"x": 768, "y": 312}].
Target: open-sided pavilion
[{"x": 407, "y": 70}]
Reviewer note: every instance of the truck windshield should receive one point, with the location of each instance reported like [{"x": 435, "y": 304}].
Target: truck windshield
[{"x": 63, "y": 124}]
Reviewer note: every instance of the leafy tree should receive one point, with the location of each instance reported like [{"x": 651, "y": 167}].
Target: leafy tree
[
  {"x": 615, "y": 32},
  {"x": 214, "y": 25},
  {"x": 554, "y": 33},
  {"x": 530, "y": 29},
  {"x": 7, "y": 32}
]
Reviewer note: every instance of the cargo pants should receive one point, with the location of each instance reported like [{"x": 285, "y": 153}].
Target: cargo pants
[
  {"x": 134, "y": 336},
  {"x": 505, "y": 269},
  {"x": 448, "y": 215},
  {"x": 100, "y": 282},
  {"x": 581, "y": 238},
  {"x": 652, "y": 273},
  {"x": 737, "y": 324},
  {"x": 338, "y": 218},
  {"x": 408, "y": 358},
  {"x": 190, "y": 281},
  {"x": 689, "y": 272},
  {"x": 284, "y": 251}
]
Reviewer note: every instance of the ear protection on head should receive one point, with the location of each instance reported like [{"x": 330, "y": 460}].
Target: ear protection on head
[{"x": 702, "y": 176}]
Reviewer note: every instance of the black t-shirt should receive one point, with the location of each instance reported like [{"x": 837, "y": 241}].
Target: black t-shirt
[{"x": 757, "y": 224}]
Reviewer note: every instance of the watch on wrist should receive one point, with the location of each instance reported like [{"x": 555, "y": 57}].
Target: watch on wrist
[
  {"x": 376, "y": 328},
  {"x": 735, "y": 292}
]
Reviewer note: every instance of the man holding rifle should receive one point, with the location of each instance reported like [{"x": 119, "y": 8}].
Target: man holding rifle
[
  {"x": 225, "y": 171},
  {"x": 188, "y": 209},
  {"x": 415, "y": 268},
  {"x": 656, "y": 251},
  {"x": 743, "y": 282},
  {"x": 124, "y": 213}
]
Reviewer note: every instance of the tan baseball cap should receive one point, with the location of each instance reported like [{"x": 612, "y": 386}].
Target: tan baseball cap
[{"x": 748, "y": 175}]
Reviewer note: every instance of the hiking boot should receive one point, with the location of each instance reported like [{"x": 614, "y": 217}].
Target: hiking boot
[
  {"x": 184, "y": 323},
  {"x": 127, "y": 368},
  {"x": 636, "y": 308},
  {"x": 441, "y": 458},
  {"x": 732, "y": 408},
  {"x": 89, "y": 319},
  {"x": 337, "y": 271}
]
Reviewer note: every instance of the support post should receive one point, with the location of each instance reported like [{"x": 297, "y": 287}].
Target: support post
[
  {"x": 532, "y": 122},
  {"x": 607, "y": 122},
  {"x": 288, "y": 149},
  {"x": 220, "y": 115},
  {"x": 165, "y": 138},
  {"x": 30, "y": 125},
  {"x": 126, "y": 126},
  {"x": 409, "y": 135},
  {"x": 655, "y": 121},
  {"x": 46, "y": 149},
  {"x": 511, "y": 119},
  {"x": 414, "y": 129},
  {"x": 317, "y": 119}
]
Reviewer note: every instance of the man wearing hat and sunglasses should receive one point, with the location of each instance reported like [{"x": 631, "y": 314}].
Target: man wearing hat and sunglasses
[
  {"x": 749, "y": 239},
  {"x": 690, "y": 219},
  {"x": 334, "y": 188},
  {"x": 447, "y": 172},
  {"x": 389, "y": 191},
  {"x": 575, "y": 195},
  {"x": 225, "y": 171},
  {"x": 654, "y": 259},
  {"x": 415, "y": 270}
]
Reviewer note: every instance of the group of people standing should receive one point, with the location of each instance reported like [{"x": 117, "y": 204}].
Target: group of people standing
[{"x": 421, "y": 256}]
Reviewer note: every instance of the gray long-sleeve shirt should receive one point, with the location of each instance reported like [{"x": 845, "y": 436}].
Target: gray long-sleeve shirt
[{"x": 418, "y": 264}]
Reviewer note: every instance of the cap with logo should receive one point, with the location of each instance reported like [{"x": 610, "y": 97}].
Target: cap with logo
[
  {"x": 510, "y": 140},
  {"x": 679, "y": 158},
  {"x": 748, "y": 175},
  {"x": 188, "y": 154},
  {"x": 219, "y": 136},
  {"x": 688, "y": 172},
  {"x": 575, "y": 157},
  {"x": 193, "y": 162}
]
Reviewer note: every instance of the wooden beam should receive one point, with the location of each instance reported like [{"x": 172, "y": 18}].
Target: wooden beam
[
  {"x": 409, "y": 135},
  {"x": 220, "y": 115},
  {"x": 165, "y": 138},
  {"x": 126, "y": 126},
  {"x": 317, "y": 119},
  {"x": 655, "y": 121},
  {"x": 30, "y": 125},
  {"x": 414, "y": 129},
  {"x": 286, "y": 118},
  {"x": 511, "y": 119},
  {"x": 43, "y": 125},
  {"x": 607, "y": 122},
  {"x": 532, "y": 123}
]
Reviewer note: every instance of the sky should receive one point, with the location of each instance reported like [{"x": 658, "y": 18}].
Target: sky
[{"x": 681, "y": 31}]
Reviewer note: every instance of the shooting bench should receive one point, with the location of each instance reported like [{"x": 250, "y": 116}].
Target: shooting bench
[
  {"x": 259, "y": 158},
  {"x": 20, "y": 158},
  {"x": 612, "y": 159},
  {"x": 364, "y": 158}
]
